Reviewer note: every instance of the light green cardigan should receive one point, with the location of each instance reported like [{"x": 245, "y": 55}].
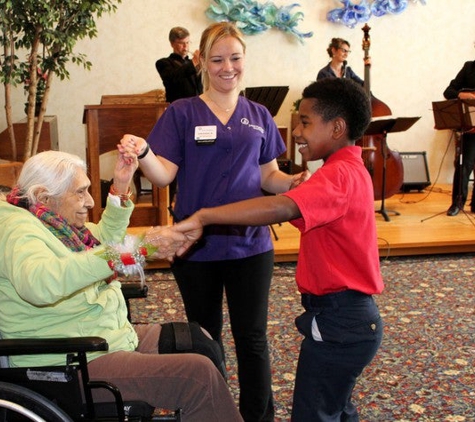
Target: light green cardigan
[{"x": 48, "y": 291}]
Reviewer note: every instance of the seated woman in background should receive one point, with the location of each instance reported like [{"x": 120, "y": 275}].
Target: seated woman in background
[
  {"x": 338, "y": 50},
  {"x": 54, "y": 282}
]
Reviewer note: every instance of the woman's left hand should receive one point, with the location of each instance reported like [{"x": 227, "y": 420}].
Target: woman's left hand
[{"x": 299, "y": 178}]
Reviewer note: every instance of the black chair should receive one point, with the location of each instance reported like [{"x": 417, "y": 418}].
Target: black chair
[{"x": 63, "y": 393}]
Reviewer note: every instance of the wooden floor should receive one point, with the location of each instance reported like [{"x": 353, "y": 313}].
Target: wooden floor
[{"x": 422, "y": 227}]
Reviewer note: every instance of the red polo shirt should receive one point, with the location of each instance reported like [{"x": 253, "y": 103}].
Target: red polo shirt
[{"x": 338, "y": 246}]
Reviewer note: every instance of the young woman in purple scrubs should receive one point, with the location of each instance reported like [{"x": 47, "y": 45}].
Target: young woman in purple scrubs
[{"x": 223, "y": 148}]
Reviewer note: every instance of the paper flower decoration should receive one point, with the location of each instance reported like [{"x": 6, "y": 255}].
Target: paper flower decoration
[
  {"x": 351, "y": 14},
  {"x": 253, "y": 18}
]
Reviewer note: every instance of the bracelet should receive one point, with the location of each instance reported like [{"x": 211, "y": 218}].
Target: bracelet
[
  {"x": 124, "y": 197},
  {"x": 128, "y": 257},
  {"x": 145, "y": 152}
]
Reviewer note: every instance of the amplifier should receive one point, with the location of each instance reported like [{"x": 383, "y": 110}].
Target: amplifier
[{"x": 416, "y": 172}]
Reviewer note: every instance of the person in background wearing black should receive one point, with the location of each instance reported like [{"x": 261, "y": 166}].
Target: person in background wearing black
[
  {"x": 180, "y": 74},
  {"x": 463, "y": 88},
  {"x": 338, "y": 50}
]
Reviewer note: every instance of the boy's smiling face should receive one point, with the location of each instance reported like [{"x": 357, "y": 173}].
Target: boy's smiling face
[{"x": 315, "y": 138}]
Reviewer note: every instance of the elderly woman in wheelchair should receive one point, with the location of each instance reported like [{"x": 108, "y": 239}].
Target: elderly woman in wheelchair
[{"x": 57, "y": 281}]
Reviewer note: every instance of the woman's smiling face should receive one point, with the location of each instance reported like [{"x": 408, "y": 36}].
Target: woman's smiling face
[{"x": 225, "y": 64}]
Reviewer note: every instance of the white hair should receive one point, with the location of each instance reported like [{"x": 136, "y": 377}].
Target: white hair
[{"x": 50, "y": 174}]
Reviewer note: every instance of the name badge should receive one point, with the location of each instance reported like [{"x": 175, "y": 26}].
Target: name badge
[{"x": 205, "y": 135}]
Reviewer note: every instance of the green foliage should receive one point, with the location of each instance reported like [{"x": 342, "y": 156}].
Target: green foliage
[
  {"x": 296, "y": 105},
  {"x": 45, "y": 32},
  {"x": 56, "y": 24}
]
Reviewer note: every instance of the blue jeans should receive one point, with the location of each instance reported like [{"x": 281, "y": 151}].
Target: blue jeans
[{"x": 342, "y": 333}]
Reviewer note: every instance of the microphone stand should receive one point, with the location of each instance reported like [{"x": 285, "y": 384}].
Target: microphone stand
[
  {"x": 383, "y": 211},
  {"x": 458, "y": 199},
  {"x": 383, "y": 127}
]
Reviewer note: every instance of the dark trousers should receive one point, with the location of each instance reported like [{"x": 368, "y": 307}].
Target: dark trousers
[
  {"x": 349, "y": 331},
  {"x": 246, "y": 283},
  {"x": 460, "y": 184}
]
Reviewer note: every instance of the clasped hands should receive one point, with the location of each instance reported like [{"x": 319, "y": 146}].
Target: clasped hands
[
  {"x": 131, "y": 146},
  {"x": 172, "y": 241}
]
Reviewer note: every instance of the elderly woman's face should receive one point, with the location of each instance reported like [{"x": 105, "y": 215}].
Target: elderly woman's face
[{"x": 73, "y": 206}]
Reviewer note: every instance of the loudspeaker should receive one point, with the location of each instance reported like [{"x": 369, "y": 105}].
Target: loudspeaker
[{"x": 416, "y": 171}]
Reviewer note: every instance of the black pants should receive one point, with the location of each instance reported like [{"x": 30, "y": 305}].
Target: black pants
[
  {"x": 342, "y": 332},
  {"x": 460, "y": 184},
  {"x": 246, "y": 283}
]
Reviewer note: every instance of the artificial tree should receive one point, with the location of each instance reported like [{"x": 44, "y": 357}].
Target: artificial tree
[{"x": 45, "y": 32}]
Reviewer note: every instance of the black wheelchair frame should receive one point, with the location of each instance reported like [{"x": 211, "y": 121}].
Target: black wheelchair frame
[{"x": 64, "y": 393}]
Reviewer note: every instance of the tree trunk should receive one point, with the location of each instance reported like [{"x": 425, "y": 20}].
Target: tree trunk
[
  {"x": 30, "y": 126},
  {"x": 8, "y": 115},
  {"x": 9, "y": 49}
]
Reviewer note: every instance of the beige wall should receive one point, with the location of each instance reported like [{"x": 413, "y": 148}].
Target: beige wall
[{"x": 414, "y": 56}]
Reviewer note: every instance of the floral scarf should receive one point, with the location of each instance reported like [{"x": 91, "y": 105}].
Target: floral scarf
[{"x": 73, "y": 238}]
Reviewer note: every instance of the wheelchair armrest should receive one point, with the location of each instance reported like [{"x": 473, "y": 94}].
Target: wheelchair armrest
[
  {"x": 134, "y": 290},
  {"x": 11, "y": 347}
]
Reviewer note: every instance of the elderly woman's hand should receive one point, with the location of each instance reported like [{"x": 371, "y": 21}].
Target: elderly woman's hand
[
  {"x": 124, "y": 170},
  {"x": 166, "y": 240}
]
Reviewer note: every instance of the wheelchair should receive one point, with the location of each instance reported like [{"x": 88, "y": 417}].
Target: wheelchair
[{"x": 64, "y": 393}]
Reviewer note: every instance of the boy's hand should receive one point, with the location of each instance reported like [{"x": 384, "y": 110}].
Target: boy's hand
[
  {"x": 166, "y": 240},
  {"x": 192, "y": 229}
]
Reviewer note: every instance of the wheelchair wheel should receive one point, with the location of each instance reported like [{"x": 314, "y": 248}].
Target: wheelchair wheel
[{"x": 18, "y": 404}]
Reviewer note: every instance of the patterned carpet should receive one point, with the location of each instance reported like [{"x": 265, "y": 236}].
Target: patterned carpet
[{"x": 424, "y": 370}]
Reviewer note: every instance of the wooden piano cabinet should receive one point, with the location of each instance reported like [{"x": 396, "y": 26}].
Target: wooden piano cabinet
[
  {"x": 9, "y": 172},
  {"x": 297, "y": 168},
  {"x": 48, "y": 138},
  {"x": 283, "y": 130},
  {"x": 105, "y": 126}
]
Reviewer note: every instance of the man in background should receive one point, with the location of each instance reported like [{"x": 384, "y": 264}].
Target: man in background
[
  {"x": 179, "y": 73},
  {"x": 463, "y": 88}
]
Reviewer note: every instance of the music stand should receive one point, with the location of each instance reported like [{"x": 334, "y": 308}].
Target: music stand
[
  {"x": 459, "y": 116},
  {"x": 383, "y": 127},
  {"x": 456, "y": 114},
  {"x": 271, "y": 97}
]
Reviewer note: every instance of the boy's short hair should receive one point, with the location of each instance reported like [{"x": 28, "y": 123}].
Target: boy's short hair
[{"x": 339, "y": 97}]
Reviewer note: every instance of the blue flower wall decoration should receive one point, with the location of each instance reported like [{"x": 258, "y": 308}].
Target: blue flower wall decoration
[
  {"x": 253, "y": 18},
  {"x": 351, "y": 14}
]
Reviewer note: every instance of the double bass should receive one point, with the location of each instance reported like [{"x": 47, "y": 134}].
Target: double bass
[{"x": 376, "y": 154}]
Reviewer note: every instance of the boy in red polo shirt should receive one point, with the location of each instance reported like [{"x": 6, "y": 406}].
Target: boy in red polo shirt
[{"x": 338, "y": 265}]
